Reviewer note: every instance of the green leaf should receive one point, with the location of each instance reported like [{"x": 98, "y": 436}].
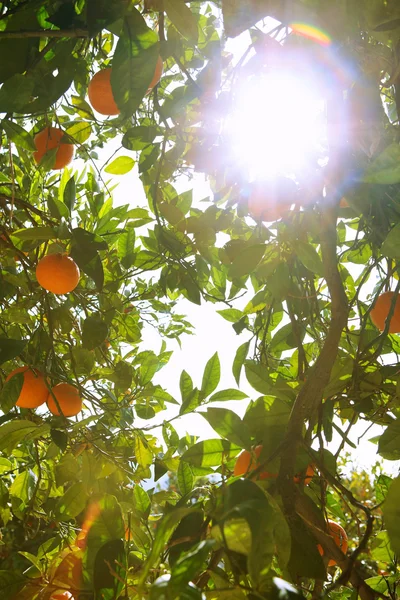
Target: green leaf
[
  {"x": 385, "y": 169},
  {"x": 259, "y": 378},
  {"x": 391, "y": 246},
  {"x": 245, "y": 262},
  {"x": 391, "y": 514},
  {"x": 36, "y": 233},
  {"x": 110, "y": 567},
  {"x": 70, "y": 194},
  {"x": 120, "y": 165},
  {"x": 94, "y": 332},
  {"x": 231, "y": 314},
  {"x": 10, "y": 348},
  {"x": 73, "y": 502},
  {"x": 182, "y": 17},
  {"x": 57, "y": 209},
  {"x": 305, "y": 560},
  {"x": 389, "y": 442},
  {"x": 185, "y": 385},
  {"x": 239, "y": 16},
  {"x": 229, "y": 426},
  {"x": 18, "y": 135},
  {"x": 309, "y": 257},
  {"x": 10, "y": 392},
  {"x": 90, "y": 263},
  {"x": 190, "y": 564},
  {"x": 107, "y": 525},
  {"x": 227, "y": 395},
  {"x": 185, "y": 478},
  {"x": 170, "y": 436},
  {"x": 79, "y": 131},
  {"x": 163, "y": 533},
  {"x": 23, "y": 486},
  {"x": 236, "y": 535},
  {"x": 143, "y": 454},
  {"x": 14, "y": 432},
  {"x": 84, "y": 361},
  {"x": 11, "y": 584},
  {"x": 211, "y": 376},
  {"x": 210, "y": 453},
  {"x": 141, "y": 500},
  {"x": 240, "y": 357},
  {"x": 67, "y": 469},
  {"x": 134, "y": 62},
  {"x": 137, "y": 138},
  {"x": 15, "y": 93},
  {"x": 126, "y": 248}
]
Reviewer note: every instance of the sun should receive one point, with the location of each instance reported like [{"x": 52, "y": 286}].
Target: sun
[{"x": 276, "y": 126}]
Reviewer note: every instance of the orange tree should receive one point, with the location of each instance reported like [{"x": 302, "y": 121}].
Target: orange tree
[{"x": 81, "y": 427}]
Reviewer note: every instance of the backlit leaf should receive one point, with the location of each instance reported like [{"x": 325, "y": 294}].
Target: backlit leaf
[{"x": 120, "y": 165}]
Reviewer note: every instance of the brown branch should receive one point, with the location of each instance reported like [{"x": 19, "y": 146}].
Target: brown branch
[
  {"x": 54, "y": 33},
  {"x": 26, "y": 206},
  {"x": 307, "y": 403}
]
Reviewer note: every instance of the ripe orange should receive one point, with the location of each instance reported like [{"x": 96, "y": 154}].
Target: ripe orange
[
  {"x": 381, "y": 310},
  {"x": 305, "y": 477},
  {"x": 61, "y": 595},
  {"x": 269, "y": 201},
  {"x": 247, "y": 462},
  {"x": 48, "y": 139},
  {"x": 340, "y": 538},
  {"x": 100, "y": 93},
  {"x": 34, "y": 390},
  {"x": 67, "y": 397},
  {"x": 157, "y": 74},
  {"x": 57, "y": 273}
]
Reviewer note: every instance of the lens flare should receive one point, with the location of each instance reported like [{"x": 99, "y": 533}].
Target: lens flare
[
  {"x": 311, "y": 32},
  {"x": 276, "y": 126}
]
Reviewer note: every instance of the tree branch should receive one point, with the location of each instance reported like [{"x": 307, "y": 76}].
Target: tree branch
[{"x": 50, "y": 33}]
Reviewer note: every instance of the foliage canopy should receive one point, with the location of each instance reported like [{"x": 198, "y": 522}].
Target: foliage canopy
[{"x": 76, "y": 510}]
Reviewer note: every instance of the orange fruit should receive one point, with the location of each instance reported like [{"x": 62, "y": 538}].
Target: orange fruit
[
  {"x": 100, "y": 93},
  {"x": 305, "y": 477},
  {"x": 157, "y": 74},
  {"x": 34, "y": 390},
  {"x": 61, "y": 595},
  {"x": 340, "y": 538},
  {"x": 249, "y": 461},
  {"x": 48, "y": 139},
  {"x": 381, "y": 310},
  {"x": 57, "y": 273},
  {"x": 68, "y": 399},
  {"x": 270, "y": 200}
]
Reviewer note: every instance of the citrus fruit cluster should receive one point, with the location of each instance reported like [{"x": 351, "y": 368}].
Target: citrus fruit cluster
[
  {"x": 102, "y": 100},
  {"x": 35, "y": 391}
]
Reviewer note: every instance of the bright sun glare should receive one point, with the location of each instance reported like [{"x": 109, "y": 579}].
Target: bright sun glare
[{"x": 276, "y": 125}]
